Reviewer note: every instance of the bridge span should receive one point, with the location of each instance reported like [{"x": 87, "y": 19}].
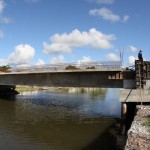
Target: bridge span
[{"x": 95, "y": 74}]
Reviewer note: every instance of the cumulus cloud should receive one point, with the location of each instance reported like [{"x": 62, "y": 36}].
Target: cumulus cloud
[
  {"x": 23, "y": 54},
  {"x": 85, "y": 59},
  {"x": 40, "y": 62},
  {"x": 3, "y": 19},
  {"x": 66, "y": 42},
  {"x": 1, "y": 34},
  {"x": 106, "y": 14},
  {"x": 132, "y": 48},
  {"x": 57, "y": 60},
  {"x": 102, "y": 1},
  {"x": 126, "y": 18},
  {"x": 113, "y": 57},
  {"x": 131, "y": 60},
  {"x": 2, "y": 6},
  {"x": 56, "y": 47}
]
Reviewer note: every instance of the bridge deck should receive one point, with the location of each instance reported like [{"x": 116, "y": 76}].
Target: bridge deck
[{"x": 59, "y": 71}]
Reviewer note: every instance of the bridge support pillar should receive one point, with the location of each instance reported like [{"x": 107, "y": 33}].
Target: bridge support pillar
[
  {"x": 128, "y": 110},
  {"x": 123, "y": 110}
]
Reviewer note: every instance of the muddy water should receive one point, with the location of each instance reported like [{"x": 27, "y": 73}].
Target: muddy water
[{"x": 53, "y": 120}]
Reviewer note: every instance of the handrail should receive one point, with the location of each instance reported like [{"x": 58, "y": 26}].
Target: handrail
[{"x": 94, "y": 65}]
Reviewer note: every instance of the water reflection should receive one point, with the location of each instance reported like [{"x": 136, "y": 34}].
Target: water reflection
[
  {"x": 55, "y": 120},
  {"x": 93, "y": 92}
]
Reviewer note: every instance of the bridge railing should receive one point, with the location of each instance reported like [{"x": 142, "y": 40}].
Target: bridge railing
[{"x": 93, "y": 65}]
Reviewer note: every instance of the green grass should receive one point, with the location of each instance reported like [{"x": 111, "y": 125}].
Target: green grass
[
  {"x": 26, "y": 88},
  {"x": 147, "y": 123}
]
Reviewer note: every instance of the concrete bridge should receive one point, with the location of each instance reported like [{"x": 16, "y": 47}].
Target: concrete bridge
[{"x": 94, "y": 74}]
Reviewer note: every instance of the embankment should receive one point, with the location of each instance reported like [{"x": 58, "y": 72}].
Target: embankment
[{"x": 139, "y": 132}]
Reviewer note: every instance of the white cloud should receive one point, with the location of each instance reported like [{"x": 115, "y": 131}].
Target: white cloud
[
  {"x": 32, "y": 1},
  {"x": 2, "y": 6},
  {"x": 57, "y": 60},
  {"x": 126, "y": 18},
  {"x": 132, "y": 48},
  {"x": 1, "y": 34},
  {"x": 106, "y": 14},
  {"x": 113, "y": 57},
  {"x": 5, "y": 20},
  {"x": 56, "y": 48},
  {"x": 85, "y": 59},
  {"x": 23, "y": 54},
  {"x": 40, "y": 62},
  {"x": 131, "y": 60},
  {"x": 66, "y": 42},
  {"x": 103, "y": 1}
]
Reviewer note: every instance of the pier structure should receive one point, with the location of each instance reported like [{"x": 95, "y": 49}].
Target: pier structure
[{"x": 141, "y": 93}]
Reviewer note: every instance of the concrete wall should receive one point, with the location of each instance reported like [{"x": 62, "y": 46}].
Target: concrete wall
[{"x": 134, "y": 95}]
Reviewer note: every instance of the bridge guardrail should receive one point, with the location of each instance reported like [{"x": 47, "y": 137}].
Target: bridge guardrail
[{"x": 94, "y": 65}]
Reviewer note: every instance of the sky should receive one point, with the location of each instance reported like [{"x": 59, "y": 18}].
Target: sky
[{"x": 37, "y": 32}]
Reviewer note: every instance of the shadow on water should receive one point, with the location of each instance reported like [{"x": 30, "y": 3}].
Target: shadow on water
[
  {"x": 113, "y": 138},
  {"x": 11, "y": 97}
]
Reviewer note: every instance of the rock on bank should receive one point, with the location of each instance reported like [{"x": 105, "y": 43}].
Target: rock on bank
[{"x": 139, "y": 133}]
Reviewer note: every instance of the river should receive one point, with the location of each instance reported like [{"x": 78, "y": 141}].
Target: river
[{"x": 62, "y": 120}]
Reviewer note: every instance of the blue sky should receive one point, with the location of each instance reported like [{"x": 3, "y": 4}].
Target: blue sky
[{"x": 63, "y": 31}]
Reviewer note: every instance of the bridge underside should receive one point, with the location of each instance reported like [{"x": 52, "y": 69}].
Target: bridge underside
[{"x": 104, "y": 79}]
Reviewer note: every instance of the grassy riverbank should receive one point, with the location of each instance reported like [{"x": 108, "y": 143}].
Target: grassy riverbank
[
  {"x": 27, "y": 88},
  {"x": 148, "y": 121}
]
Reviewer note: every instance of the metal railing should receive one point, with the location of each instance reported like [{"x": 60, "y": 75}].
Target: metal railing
[{"x": 62, "y": 67}]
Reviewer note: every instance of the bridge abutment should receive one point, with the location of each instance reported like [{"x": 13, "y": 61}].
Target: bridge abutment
[{"x": 127, "y": 110}]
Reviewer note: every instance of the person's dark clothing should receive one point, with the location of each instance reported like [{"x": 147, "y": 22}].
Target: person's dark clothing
[{"x": 140, "y": 57}]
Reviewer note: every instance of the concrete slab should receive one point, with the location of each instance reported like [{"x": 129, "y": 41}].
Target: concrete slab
[{"x": 134, "y": 95}]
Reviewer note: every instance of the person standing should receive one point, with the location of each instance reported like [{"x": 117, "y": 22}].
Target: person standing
[
  {"x": 140, "y": 56},
  {"x": 140, "y": 70}
]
